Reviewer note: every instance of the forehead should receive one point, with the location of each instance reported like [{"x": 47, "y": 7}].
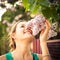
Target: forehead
[{"x": 21, "y": 23}]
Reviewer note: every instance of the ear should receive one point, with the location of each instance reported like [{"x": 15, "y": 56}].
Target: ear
[{"x": 13, "y": 35}]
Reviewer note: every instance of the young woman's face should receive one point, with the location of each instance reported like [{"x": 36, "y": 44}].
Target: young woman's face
[{"x": 23, "y": 33}]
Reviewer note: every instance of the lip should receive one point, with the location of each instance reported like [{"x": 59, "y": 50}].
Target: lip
[{"x": 28, "y": 30}]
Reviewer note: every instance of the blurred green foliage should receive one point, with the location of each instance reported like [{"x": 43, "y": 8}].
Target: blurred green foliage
[
  {"x": 12, "y": 1},
  {"x": 10, "y": 15},
  {"x": 3, "y": 39},
  {"x": 49, "y": 10}
]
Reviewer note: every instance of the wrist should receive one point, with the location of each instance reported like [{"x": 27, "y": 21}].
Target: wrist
[
  {"x": 43, "y": 42},
  {"x": 45, "y": 55}
]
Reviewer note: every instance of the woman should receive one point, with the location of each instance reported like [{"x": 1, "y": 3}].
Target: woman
[{"x": 21, "y": 39}]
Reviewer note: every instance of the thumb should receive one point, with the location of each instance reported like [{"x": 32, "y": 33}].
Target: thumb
[
  {"x": 48, "y": 25},
  {"x": 42, "y": 31}
]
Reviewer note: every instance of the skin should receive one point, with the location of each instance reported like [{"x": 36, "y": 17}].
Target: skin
[{"x": 23, "y": 38}]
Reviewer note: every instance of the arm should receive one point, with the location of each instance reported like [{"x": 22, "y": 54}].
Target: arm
[{"x": 43, "y": 43}]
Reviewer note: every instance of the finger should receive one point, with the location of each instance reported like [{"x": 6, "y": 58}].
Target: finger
[
  {"x": 48, "y": 25},
  {"x": 46, "y": 31},
  {"x": 42, "y": 31}
]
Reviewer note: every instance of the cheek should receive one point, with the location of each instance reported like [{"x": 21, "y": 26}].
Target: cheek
[{"x": 19, "y": 34}]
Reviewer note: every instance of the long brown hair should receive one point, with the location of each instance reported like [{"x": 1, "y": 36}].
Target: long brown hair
[{"x": 12, "y": 44}]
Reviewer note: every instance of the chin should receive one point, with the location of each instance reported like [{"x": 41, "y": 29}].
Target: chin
[{"x": 29, "y": 37}]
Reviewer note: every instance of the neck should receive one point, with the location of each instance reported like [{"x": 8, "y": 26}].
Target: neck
[{"x": 22, "y": 50}]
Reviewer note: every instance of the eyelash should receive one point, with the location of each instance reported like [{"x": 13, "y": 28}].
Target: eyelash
[{"x": 22, "y": 26}]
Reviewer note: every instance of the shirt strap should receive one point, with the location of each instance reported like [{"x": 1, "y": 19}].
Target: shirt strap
[
  {"x": 9, "y": 56},
  {"x": 35, "y": 57}
]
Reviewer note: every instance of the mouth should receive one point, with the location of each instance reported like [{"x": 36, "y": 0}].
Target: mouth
[{"x": 29, "y": 31}]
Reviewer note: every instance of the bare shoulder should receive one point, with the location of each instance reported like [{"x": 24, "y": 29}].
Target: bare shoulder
[
  {"x": 2, "y": 57},
  {"x": 39, "y": 56}
]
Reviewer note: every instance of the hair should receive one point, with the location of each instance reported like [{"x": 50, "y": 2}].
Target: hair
[{"x": 12, "y": 43}]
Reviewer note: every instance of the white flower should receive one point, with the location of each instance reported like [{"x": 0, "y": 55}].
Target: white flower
[{"x": 36, "y": 24}]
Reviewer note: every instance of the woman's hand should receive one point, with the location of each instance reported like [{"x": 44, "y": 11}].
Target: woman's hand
[
  {"x": 44, "y": 33},
  {"x": 43, "y": 43}
]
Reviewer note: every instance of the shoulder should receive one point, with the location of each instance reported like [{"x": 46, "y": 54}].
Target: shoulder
[
  {"x": 39, "y": 56},
  {"x": 2, "y": 57}
]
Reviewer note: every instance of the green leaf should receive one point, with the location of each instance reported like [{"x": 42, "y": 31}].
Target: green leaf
[
  {"x": 26, "y": 4},
  {"x": 34, "y": 8},
  {"x": 44, "y": 3}
]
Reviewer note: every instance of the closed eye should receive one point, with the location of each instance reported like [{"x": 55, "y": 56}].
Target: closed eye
[{"x": 22, "y": 26}]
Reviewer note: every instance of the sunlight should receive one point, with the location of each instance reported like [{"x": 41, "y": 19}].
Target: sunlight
[{"x": 2, "y": 11}]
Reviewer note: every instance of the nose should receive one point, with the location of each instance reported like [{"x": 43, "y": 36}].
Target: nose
[{"x": 28, "y": 28}]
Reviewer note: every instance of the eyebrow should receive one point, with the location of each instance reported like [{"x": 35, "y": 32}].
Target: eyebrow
[
  {"x": 17, "y": 23},
  {"x": 21, "y": 23}
]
